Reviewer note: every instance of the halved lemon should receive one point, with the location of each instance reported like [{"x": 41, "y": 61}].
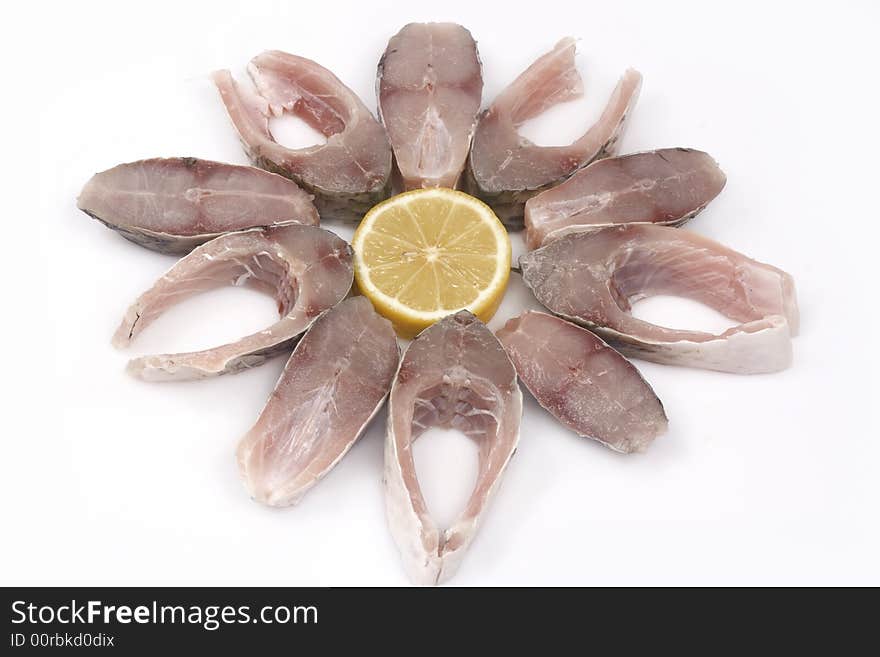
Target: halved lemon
[{"x": 425, "y": 254}]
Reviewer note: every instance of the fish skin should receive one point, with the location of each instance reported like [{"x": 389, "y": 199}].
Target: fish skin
[
  {"x": 455, "y": 374},
  {"x": 430, "y": 85},
  {"x": 307, "y": 269},
  {"x": 172, "y": 205},
  {"x": 593, "y": 278},
  {"x": 505, "y": 169},
  {"x": 584, "y": 383},
  {"x": 349, "y": 173},
  {"x": 667, "y": 186},
  {"x": 333, "y": 384}
]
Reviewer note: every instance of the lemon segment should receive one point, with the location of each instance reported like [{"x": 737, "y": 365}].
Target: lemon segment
[{"x": 425, "y": 254}]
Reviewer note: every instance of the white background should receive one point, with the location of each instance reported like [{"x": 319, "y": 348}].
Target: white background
[{"x": 760, "y": 480}]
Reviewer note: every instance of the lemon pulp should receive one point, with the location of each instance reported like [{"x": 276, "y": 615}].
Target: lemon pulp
[{"x": 425, "y": 254}]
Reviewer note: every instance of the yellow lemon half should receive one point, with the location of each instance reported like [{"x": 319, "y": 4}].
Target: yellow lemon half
[{"x": 425, "y": 254}]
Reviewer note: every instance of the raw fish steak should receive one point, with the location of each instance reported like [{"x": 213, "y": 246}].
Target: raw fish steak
[
  {"x": 455, "y": 374},
  {"x": 307, "y": 269},
  {"x": 429, "y": 86},
  {"x": 667, "y": 186},
  {"x": 349, "y": 173},
  {"x": 336, "y": 379},
  {"x": 174, "y": 204},
  {"x": 507, "y": 169},
  {"x": 593, "y": 278},
  {"x": 582, "y": 382}
]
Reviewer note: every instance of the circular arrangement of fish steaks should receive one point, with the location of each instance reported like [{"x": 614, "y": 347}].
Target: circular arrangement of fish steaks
[{"x": 601, "y": 231}]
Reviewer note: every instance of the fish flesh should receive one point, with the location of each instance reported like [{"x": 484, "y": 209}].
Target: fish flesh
[
  {"x": 174, "y": 204},
  {"x": 307, "y": 269},
  {"x": 667, "y": 186},
  {"x": 505, "y": 169},
  {"x": 582, "y": 382},
  {"x": 349, "y": 173},
  {"x": 594, "y": 278},
  {"x": 455, "y": 374},
  {"x": 334, "y": 383},
  {"x": 429, "y": 85}
]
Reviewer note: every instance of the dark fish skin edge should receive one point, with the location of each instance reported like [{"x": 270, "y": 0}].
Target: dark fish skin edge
[{"x": 160, "y": 242}]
